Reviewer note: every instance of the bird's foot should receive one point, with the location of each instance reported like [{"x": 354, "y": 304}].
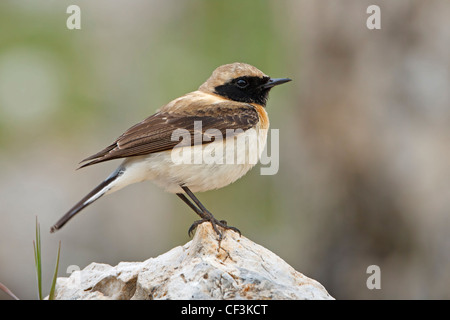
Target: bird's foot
[{"x": 214, "y": 222}]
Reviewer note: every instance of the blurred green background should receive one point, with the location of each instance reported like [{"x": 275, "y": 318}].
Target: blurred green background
[{"x": 364, "y": 174}]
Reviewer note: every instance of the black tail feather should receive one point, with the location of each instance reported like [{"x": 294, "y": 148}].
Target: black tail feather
[{"x": 83, "y": 203}]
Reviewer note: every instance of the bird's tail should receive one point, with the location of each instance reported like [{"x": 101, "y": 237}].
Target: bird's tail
[{"x": 95, "y": 194}]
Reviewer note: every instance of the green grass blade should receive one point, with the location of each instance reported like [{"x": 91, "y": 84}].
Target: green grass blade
[
  {"x": 37, "y": 259},
  {"x": 55, "y": 276}
]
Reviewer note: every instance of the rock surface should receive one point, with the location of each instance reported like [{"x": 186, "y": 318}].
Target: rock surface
[{"x": 204, "y": 268}]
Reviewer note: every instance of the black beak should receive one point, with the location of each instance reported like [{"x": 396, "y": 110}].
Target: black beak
[{"x": 274, "y": 82}]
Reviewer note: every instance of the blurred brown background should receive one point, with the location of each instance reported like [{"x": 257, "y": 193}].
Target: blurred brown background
[{"x": 364, "y": 173}]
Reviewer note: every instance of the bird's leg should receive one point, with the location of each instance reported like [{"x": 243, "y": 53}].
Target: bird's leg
[
  {"x": 203, "y": 213},
  {"x": 197, "y": 211},
  {"x": 191, "y": 205}
]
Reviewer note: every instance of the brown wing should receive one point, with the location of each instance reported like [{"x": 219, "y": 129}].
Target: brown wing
[{"x": 154, "y": 134}]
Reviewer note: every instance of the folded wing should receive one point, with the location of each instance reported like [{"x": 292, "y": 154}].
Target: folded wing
[{"x": 154, "y": 134}]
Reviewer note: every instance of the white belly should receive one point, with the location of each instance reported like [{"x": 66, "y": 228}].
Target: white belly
[{"x": 204, "y": 170}]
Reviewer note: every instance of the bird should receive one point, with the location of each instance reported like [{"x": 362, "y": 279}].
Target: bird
[{"x": 231, "y": 103}]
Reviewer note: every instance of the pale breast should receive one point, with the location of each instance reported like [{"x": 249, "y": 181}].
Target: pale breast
[{"x": 201, "y": 168}]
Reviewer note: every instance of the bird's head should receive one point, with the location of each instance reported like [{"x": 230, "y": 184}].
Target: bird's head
[{"x": 241, "y": 82}]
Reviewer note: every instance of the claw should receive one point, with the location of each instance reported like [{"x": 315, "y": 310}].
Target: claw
[
  {"x": 222, "y": 223},
  {"x": 194, "y": 226}
]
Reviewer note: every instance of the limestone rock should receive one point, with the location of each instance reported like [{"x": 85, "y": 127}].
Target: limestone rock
[{"x": 204, "y": 268}]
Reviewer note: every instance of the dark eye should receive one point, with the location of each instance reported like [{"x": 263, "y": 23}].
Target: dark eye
[{"x": 241, "y": 83}]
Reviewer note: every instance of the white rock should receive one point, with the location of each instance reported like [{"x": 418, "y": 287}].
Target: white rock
[{"x": 204, "y": 268}]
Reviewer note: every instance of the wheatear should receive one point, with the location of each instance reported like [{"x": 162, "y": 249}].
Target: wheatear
[{"x": 233, "y": 99}]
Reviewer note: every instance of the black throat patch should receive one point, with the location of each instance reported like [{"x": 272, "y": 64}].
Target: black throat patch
[{"x": 253, "y": 92}]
